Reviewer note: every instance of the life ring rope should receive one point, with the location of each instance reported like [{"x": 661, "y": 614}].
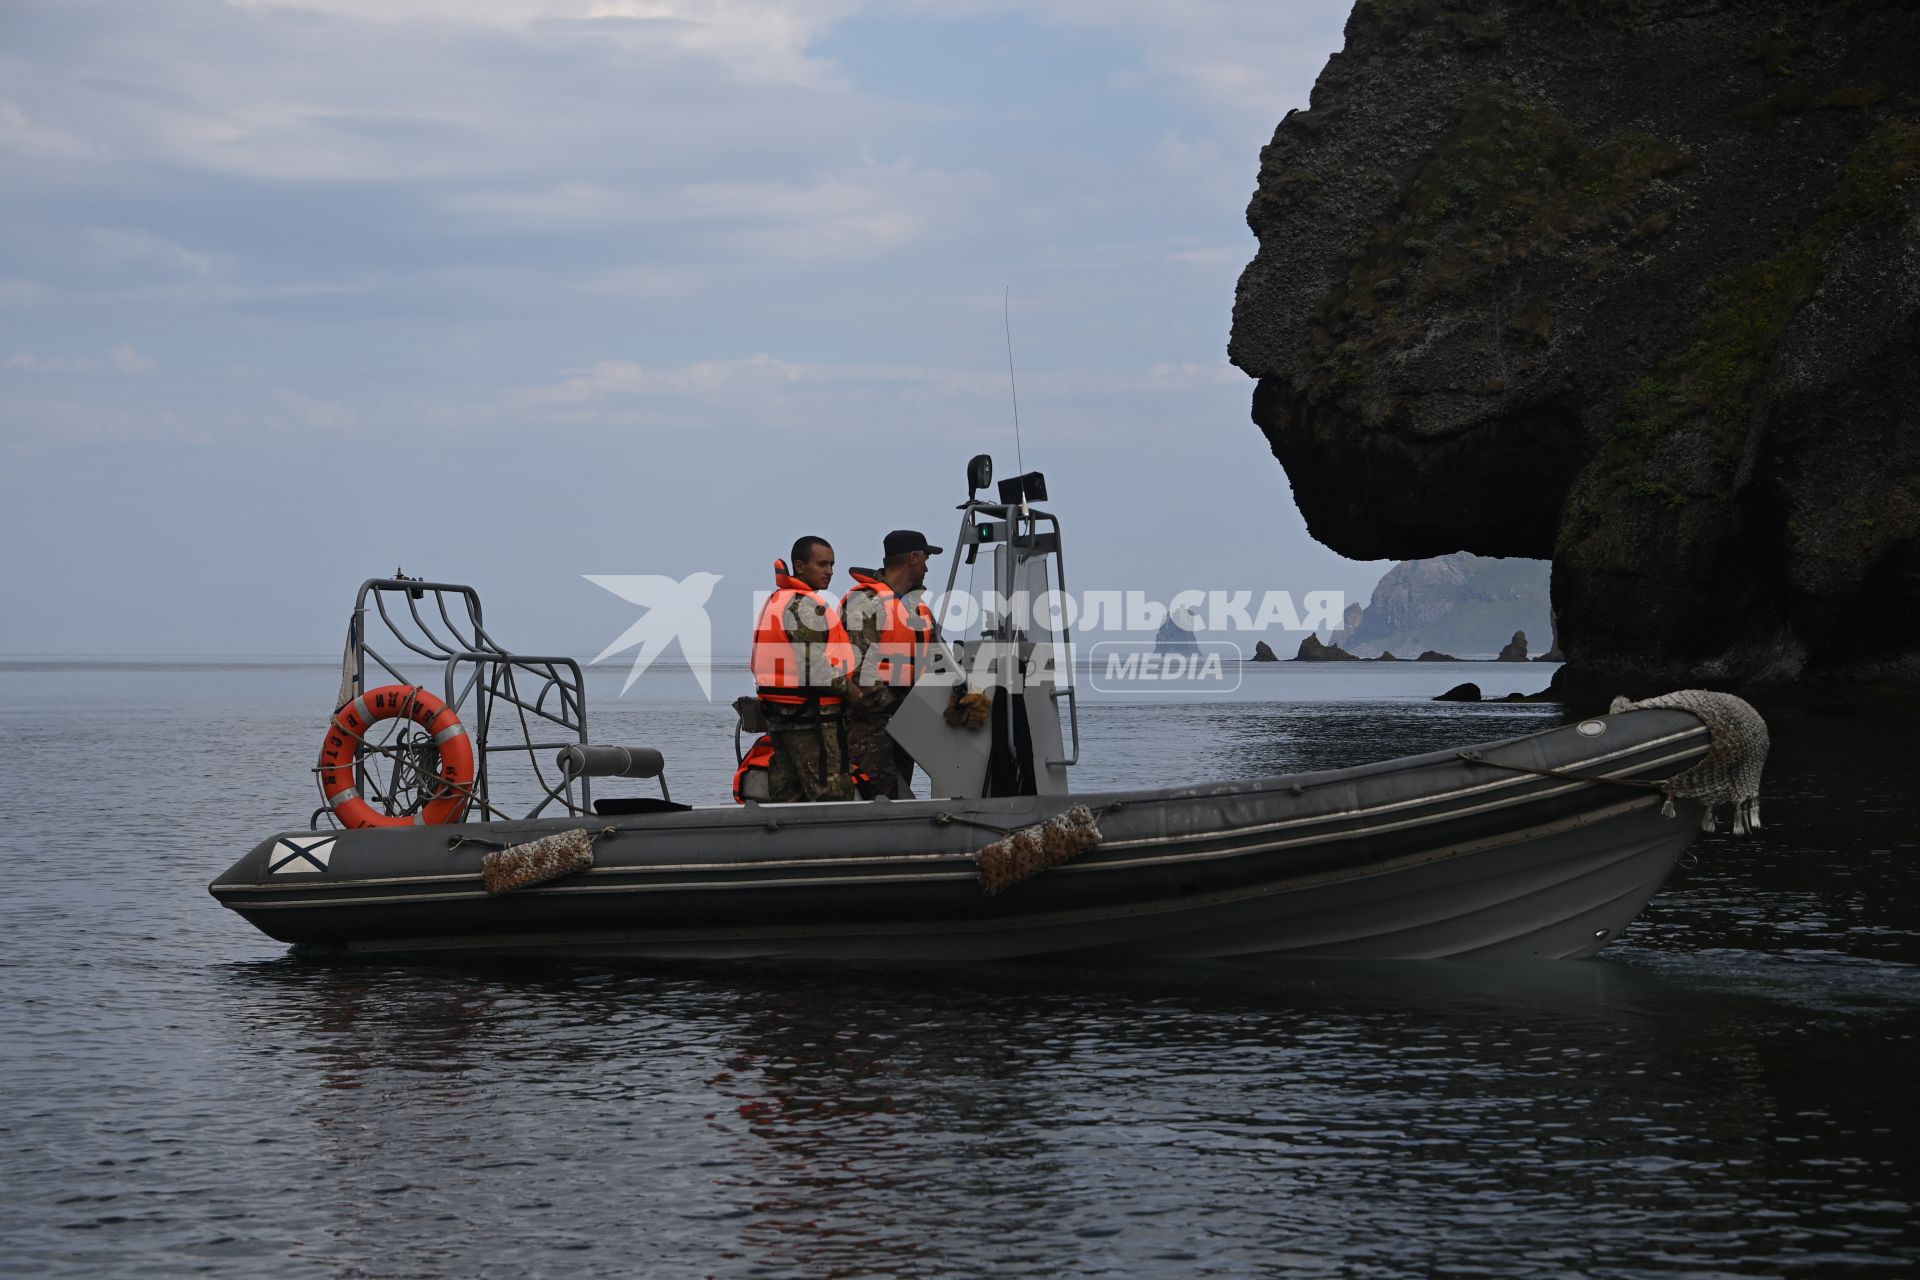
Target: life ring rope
[{"x": 341, "y": 753}]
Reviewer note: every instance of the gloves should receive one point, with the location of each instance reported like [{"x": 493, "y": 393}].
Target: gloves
[{"x": 968, "y": 709}]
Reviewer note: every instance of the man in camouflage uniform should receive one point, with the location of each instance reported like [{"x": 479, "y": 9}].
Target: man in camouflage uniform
[
  {"x": 809, "y": 745},
  {"x": 884, "y": 685}
]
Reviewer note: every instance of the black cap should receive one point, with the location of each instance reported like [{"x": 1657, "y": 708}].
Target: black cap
[{"x": 901, "y": 541}]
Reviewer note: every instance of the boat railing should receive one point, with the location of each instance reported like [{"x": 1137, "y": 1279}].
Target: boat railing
[{"x": 1063, "y": 661}]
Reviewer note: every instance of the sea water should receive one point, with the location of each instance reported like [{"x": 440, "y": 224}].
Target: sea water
[{"x": 1728, "y": 1090}]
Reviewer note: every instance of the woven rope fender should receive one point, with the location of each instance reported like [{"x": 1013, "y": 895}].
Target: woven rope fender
[
  {"x": 1730, "y": 774},
  {"x": 1023, "y": 854},
  {"x": 521, "y": 866}
]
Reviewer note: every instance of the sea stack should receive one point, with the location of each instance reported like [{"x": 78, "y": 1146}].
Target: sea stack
[{"x": 1313, "y": 650}]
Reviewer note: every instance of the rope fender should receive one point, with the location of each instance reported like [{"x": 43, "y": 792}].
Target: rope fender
[
  {"x": 1025, "y": 853},
  {"x": 522, "y": 866},
  {"x": 1730, "y": 773}
]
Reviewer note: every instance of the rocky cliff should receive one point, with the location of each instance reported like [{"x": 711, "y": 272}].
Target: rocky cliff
[{"x": 1631, "y": 284}]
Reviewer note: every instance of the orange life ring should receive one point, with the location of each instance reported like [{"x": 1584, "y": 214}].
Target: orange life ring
[{"x": 349, "y": 726}]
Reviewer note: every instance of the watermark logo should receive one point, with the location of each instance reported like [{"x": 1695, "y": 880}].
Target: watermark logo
[
  {"x": 1146, "y": 666},
  {"x": 675, "y": 610},
  {"x": 1048, "y": 612},
  {"x": 1176, "y": 660}
]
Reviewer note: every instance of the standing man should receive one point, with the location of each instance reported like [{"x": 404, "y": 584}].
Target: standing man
[
  {"x": 802, "y": 662},
  {"x": 891, "y": 629}
]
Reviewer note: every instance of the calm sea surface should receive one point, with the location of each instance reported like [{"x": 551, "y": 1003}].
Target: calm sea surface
[{"x": 1729, "y": 1090}]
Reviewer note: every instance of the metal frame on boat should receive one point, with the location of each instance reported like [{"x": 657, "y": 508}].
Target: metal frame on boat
[{"x": 481, "y": 680}]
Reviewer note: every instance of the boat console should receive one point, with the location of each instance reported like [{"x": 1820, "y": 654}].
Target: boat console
[{"x": 1022, "y": 654}]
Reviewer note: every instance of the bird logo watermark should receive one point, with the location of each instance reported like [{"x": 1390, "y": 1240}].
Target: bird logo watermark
[{"x": 676, "y": 610}]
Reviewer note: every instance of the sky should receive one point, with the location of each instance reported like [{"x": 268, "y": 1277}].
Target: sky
[{"x": 510, "y": 292}]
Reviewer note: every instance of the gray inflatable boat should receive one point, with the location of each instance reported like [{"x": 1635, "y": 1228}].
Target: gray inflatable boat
[{"x": 1542, "y": 846}]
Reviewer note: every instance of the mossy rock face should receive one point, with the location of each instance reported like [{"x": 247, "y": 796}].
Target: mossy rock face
[
  {"x": 1511, "y": 199},
  {"x": 1634, "y": 284}
]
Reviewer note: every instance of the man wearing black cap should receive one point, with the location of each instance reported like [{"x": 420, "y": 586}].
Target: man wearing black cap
[{"x": 891, "y": 628}]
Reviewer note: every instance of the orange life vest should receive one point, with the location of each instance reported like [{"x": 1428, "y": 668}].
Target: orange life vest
[
  {"x": 905, "y": 634},
  {"x": 786, "y": 675},
  {"x": 750, "y": 779}
]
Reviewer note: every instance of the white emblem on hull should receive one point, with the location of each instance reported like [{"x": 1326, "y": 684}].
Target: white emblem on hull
[{"x": 294, "y": 854}]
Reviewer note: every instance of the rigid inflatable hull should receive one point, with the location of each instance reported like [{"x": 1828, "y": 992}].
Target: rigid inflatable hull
[{"x": 1429, "y": 856}]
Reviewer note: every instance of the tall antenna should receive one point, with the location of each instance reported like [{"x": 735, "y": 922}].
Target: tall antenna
[{"x": 1006, "y": 316}]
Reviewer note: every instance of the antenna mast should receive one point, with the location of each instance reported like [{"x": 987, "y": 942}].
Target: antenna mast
[{"x": 1006, "y": 316}]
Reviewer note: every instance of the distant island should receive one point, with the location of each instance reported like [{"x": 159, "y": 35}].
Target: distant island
[
  {"x": 1451, "y": 608},
  {"x": 1461, "y": 604},
  {"x": 1176, "y": 634}
]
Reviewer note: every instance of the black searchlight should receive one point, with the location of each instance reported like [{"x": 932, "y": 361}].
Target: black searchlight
[
  {"x": 1031, "y": 487},
  {"x": 979, "y": 474}
]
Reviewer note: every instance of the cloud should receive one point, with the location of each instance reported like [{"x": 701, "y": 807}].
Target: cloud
[
  {"x": 391, "y": 140},
  {"x": 1244, "y": 63},
  {"x": 1137, "y": 256},
  {"x": 18, "y": 133},
  {"x": 644, "y": 279},
  {"x": 319, "y": 415},
  {"x": 122, "y": 245},
  {"x": 764, "y": 40},
  {"x": 123, "y": 359},
  {"x": 715, "y": 379},
  {"x": 669, "y": 238},
  {"x": 867, "y": 211},
  {"x": 39, "y": 423},
  {"x": 608, "y": 378},
  {"x": 555, "y": 208},
  {"x": 131, "y": 362},
  {"x": 1240, "y": 59},
  {"x": 1189, "y": 374},
  {"x": 486, "y": 201},
  {"x": 18, "y": 295},
  {"x": 24, "y": 361},
  {"x": 249, "y": 412},
  {"x": 342, "y": 91}
]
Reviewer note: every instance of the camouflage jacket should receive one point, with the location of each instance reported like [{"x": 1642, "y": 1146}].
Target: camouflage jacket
[
  {"x": 863, "y": 612},
  {"x": 811, "y": 630}
]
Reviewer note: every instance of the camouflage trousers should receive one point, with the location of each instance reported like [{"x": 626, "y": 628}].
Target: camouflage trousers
[
  {"x": 879, "y": 755},
  {"x": 808, "y": 764}
]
